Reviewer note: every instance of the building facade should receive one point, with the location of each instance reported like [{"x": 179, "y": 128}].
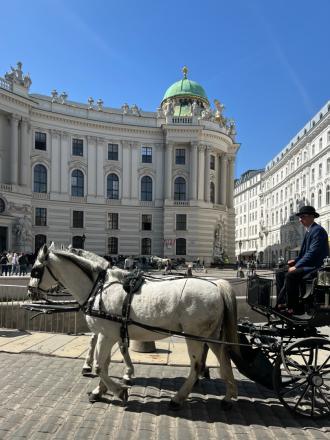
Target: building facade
[
  {"x": 299, "y": 175},
  {"x": 116, "y": 181}
]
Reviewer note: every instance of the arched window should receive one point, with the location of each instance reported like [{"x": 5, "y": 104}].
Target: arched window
[
  {"x": 312, "y": 199},
  {"x": 77, "y": 183},
  {"x": 146, "y": 246},
  {"x": 319, "y": 199},
  {"x": 78, "y": 242},
  {"x": 328, "y": 165},
  {"x": 146, "y": 188},
  {"x": 39, "y": 241},
  {"x": 112, "y": 245},
  {"x": 40, "y": 179},
  {"x": 179, "y": 189},
  {"x": 212, "y": 192},
  {"x": 181, "y": 248},
  {"x": 328, "y": 195},
  {"x": 113, "y": 187}
]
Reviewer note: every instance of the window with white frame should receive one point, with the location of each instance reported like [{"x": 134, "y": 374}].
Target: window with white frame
[
  {"x": 146, "y": 154},
  {"x": 77, "y": 147},
  {"x": 113, "y": 220},
  {"x": 146, "y": 222},
  {"x": 40, "y": 141},
  {"x": 180, "y": 156},
  {"x": 41, "y": 216},
  {"x": 112, "y": 151}
]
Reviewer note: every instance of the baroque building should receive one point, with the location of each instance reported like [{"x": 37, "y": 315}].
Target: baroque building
[
  {"x": 299, "y": 175},
  {"x": 116, "y": 181}
]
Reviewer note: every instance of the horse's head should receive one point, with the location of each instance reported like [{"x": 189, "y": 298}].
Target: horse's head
[{"x": 42, "y": 279}]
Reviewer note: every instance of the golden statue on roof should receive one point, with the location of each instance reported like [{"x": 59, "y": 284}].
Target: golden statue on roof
[{"x": 185, "y": 71}]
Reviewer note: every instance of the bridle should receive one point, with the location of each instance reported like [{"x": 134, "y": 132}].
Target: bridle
[{"x": 38, "y": 273}]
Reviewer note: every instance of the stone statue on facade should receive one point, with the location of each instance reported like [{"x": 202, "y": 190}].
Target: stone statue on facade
[
  {"x": 218, "y": 248},
  {"x": 63, "y": 97},
  {"x": 219, "y": 117},
  {"x": 22, "y": 230},
  {"x": 54, "y": 95},
  {"x": 232, "y": 128},
  {"x": 135, "y": 110},
  {"x": 16, "y": 76},
  {"x": 99, "y": 104},
  {"x": 194, "y": 108},
  {"x": 90, "y": 103},
  {"x": 125, "y": 108},
  {"x": 207, "y": 114},
  {"x": 169, "y": 108}
]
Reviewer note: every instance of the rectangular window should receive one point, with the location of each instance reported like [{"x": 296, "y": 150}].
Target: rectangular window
[
  {"x": 112, "y": 151},
  {"x": 78, "y": 219},
  {"x": 77, "y": 147},
  {"x": 146, "y": 154},
  {"x": 40, "y": 141},
  {"x": 113, "y": 220},
  {"x": 180, "y": 156},
  {"x": 181, "y": 222},
  {"x": 112, "y": 245},
  {"x": 146, "y": 222},
  {"x": 212, "y": 162},
  {"x": 41, "y": 217}
]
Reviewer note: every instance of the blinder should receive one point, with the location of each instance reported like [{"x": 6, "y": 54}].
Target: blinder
[{"x": 37, "y": 272}]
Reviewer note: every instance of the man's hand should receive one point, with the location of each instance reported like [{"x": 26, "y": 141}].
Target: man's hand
[
  {"x": 292, "y": 268},
  {"x": 291, "y": 262}
]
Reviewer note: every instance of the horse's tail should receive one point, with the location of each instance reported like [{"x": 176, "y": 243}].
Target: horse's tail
[{"x": 229, "y": 331}]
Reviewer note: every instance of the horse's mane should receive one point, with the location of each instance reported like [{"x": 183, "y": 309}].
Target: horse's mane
[
  {"x": 118, "y": 273},
  {"x": 89, "y": 256},
  {"x": 88, "y": 261}
]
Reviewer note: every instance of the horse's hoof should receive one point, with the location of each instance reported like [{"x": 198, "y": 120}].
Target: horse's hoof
[
  {"x": 86, "y": 371},
  {"x": 94, "y": 397},
  {"x": 226, "y": 405},
  {"x": 123, "y": 395},
  {"x": 174, "y": 406}
]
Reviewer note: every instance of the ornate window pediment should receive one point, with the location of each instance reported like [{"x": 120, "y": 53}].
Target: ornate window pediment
[{"x": 111, "y": 168}]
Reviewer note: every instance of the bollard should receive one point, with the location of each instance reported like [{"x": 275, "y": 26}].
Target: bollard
[{"x": 143, "y": 347}]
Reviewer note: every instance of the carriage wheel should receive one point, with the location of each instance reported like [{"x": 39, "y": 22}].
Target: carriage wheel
[{"x": 302, "y": 377}]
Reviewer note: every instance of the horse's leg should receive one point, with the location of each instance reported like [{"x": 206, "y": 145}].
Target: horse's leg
[
  {"x": 102, "y": 359},
  {"x": 88, "y": 365},
  {"x": 226, "y": 372},
  {"x": 195, "y": 351},
  {"x": 129, "y": 371},
  {"x": 205, "y": 371}
]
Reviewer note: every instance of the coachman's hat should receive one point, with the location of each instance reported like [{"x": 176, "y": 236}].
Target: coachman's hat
[{"x": 309, "y": 210}]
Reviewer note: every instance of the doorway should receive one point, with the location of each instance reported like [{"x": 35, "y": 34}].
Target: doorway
[{"x": 3, "y": 238}]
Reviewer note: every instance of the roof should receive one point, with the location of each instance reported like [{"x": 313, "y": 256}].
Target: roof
[{"x": 186, "y": 88}]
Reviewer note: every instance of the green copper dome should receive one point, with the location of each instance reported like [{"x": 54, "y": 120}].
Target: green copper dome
[{"x": 186, "y": 88}]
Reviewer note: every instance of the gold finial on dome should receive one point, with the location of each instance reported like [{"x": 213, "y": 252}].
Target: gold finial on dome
[{"x": 185, "y": 71}]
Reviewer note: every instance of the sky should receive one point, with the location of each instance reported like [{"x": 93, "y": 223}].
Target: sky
[{"x": 266, "y": 60}]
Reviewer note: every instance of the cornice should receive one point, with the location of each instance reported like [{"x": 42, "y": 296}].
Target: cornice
[
  {"x": 16, "y": 99},
  {"x": 87, "y": 123}
]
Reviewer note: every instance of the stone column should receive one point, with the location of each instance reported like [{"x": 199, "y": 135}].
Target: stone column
[
  {"x": 159, "y": 190},
  {"x": 230, "y": 201},
  {"x": 56, "y": 161},
  {"x": 14, "y": 150},
  {"x": 207, "y": 175},
  {"x": 99, "y": 167},
  {"x": 201, "y": 171},
  {"x": 168, "y": 170},
  {"x": 24, "y": 153},
  {"x": 193, "y": 170},
  {"x": 223, "y": 180},
  {"x": 127, "y": 169},
  {"x": 91, "y": 166},
  {"x": 65, "y": 151},
  {"x": 135, "y": 161}
]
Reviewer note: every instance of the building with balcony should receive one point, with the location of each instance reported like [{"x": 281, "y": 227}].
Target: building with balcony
[
  {"x": 116, "y": 181},
  {"x": 298, "y": 175}
]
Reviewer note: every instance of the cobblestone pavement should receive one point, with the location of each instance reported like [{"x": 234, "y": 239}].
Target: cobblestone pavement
[{"x": 44, "y": 397}]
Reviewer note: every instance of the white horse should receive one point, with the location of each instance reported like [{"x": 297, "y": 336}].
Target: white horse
[
  {"x": 189, "y": 305},
  {"x": 161, "y": 262}
]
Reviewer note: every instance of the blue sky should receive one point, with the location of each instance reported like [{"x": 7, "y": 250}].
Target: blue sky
[{"x": 266, "y": 60}]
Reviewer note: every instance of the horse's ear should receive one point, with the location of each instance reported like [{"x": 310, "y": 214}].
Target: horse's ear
[
  {"x": 52, "y": 246},
  {"x": 44, "y": 251}
]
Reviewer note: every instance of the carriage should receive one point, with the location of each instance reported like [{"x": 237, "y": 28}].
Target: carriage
[
  {"x": 287, "y": 354},
  {"x": 290, "y": 354}
]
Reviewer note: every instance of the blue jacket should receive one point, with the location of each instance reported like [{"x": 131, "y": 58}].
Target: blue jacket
[{"x": 314, "y": 248}]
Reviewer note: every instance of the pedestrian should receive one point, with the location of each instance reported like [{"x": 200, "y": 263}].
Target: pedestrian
[
  {"x": 22, "y": 260},
  {"x": 10, "y": 262},
  {"x": 15, "y": 265},
  {"x": 4, "y": 263}
]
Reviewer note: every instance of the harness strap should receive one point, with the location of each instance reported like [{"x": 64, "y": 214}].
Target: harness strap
[{"x": 125, "y": 311}]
